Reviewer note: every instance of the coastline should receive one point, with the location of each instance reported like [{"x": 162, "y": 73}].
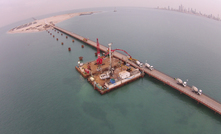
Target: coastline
[{"x": 46, "y": 23}]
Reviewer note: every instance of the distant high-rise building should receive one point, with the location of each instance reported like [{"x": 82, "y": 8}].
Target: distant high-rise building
[{"x": 181, "y": 8}]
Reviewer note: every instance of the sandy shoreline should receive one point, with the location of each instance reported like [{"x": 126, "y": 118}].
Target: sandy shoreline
[{"x": 45, "y": 24}]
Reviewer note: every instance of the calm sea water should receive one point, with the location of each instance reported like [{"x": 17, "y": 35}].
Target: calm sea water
[{"x": 41, "y": 92}]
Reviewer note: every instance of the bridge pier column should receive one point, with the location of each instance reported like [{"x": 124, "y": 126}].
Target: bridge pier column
[{"x": 143, "y": 73}]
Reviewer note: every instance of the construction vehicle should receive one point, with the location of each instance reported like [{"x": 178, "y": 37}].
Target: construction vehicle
[
  {"x": 148, "y": 66},
  {"x": 80, "y": 64},
  {"x": 140, "y": 64},
  {"x": 180, "y": 82},
  {"x": 128, "y": 67},
  {"x": 196, "y": 90},
  {"x": 85, "y": 39},
  {"x": 105, "y": 75},
  {"x": 131, "y": 59}
]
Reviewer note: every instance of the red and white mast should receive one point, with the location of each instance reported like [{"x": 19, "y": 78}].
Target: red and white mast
[
  {"x": 99, "y": 60},
  {"x": 98, "y": 49}
]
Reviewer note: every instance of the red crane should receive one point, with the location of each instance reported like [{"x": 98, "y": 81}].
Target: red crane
[{"x": 99, "y": 59}]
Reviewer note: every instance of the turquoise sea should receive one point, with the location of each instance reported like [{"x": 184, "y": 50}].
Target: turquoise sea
[{"x": 42, "y": 93}]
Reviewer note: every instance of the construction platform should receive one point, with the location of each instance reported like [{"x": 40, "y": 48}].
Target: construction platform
[
  {"x": 104, "y": 79},
  {"x": 166, "y": 79}
]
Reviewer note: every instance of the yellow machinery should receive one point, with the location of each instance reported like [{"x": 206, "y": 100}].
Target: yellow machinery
[{"x": 84, "y": 39}]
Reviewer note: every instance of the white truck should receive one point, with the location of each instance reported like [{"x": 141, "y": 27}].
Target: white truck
[
  {"x": 149, "y": 67},
  {"x": 140, "y": 64},
  {"x": 180, "y": 82},
  {"x": 196, "y": 90},
  {"x": 80, "y": 64},
  {"x": 104, "y": 76}
]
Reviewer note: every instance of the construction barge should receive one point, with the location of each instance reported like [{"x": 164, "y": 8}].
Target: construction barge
[
  {"x": 166, "y": 79},
  {"x": 108, "y": 73}
]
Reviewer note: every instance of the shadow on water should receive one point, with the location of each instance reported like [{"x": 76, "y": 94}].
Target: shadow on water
[{"x": 202, "y": 108}]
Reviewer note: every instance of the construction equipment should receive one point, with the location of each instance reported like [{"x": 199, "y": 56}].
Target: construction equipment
[
  {"x": 128, "y": 67},
  {"x": 85, "y": 39},
  {"x": 99, "y": 59},
  {"x": 180, "y": 82},
  {"x": 140, "y": 64},
  {"x": 196, "y": 90},
  {"x": 148, "y": 66},
  {"x": 105, "y": 75},
  {"x": 118, "y": 50},
  {"x": 131, "y": 59}
]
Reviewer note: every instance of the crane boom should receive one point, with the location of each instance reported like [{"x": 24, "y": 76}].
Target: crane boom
[
  {"x": 119, "y": 50},
  {"x": 98, "y": 49},
  {"x": 99, "y": 59}
]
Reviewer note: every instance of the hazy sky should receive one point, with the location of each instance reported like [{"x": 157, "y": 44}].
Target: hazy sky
[{"x": 15, "y": 10}]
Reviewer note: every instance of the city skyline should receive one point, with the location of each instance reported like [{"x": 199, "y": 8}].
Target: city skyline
[
  {"x": 189, "y": 10},
  {"x": 17, "y": 10}
]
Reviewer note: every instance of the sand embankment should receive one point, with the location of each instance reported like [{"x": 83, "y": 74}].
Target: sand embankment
[{"x": 45, "y": 24}]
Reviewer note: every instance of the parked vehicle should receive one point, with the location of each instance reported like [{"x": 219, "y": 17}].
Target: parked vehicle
[
  {"x": 196, "y": 90},
  {"x": 180, "y": 82},
  {"x": 149, "y": 67},
  {"x": 140, "y": 64},
  {"x": 104, "y": 76}
]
